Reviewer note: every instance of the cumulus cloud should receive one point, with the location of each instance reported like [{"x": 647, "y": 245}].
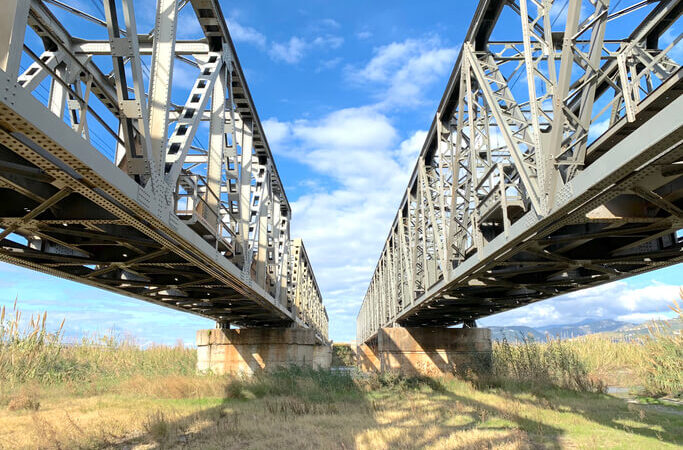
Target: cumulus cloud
[
  {"x": 344, "y": 223},
  {"x": 405, "y": 68},
  {"x": 246, "y": 34},
  {"x": 364, "y": 162},
  {"x": 293, "y": 51},
  {"x": 290, "y": 52},
  {"x": 617, "y": 300}
]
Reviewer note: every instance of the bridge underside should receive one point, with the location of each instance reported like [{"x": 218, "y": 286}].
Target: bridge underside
[
  {"x": 106, "y": 179},
  {"x": 67, "y": 211},
  {"x": 554, "y": 163},
  {"x": 627, "y": 224}
]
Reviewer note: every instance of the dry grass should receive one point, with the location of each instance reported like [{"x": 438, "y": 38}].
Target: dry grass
[
  {"x": 652, "y": 365},
  {"x": 104, "y": 393},
  {"x": 429, "y": 413}
]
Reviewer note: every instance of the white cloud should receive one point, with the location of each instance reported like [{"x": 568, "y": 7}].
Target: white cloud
[
  {"x": 364, "y": 35},
  {"x": 363, "y": 163},
  {"x": 405, "y": 68},
  {"x": 296, "y": 48},
  {"x": 290, "y": 52},
  {"x": 644, "y": 317},
  {"x": 276, "y": 132},
  {"x": 329, "y": 41},
  {"x": 596, "y": 129},
  {"x": 329, "y": 64},
  {"x": 410, "y": 148},
  {"x": 330, "y": 23},
  {"x": 344, "y": 221},
  {"x": 246, "y": 34},
  {"x": 616, "y": 300}
]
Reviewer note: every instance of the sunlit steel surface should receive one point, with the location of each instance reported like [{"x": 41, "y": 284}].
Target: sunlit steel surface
[
  {"x": 106, "y": 180},
  {"x": 554, "y": 163}
]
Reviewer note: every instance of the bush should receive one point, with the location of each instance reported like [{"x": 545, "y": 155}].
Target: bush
[{"x": 343, "y": 355}]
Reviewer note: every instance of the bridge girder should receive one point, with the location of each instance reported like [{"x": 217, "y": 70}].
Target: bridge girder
[
  {"x": 529, "y": 189},
  {"x": 104, "y": 179}
]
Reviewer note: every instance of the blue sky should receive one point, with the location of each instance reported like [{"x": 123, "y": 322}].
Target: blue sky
[{"x": 346, "y": 92}]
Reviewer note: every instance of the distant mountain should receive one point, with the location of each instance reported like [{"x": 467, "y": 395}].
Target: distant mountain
[
  {"x": 513, "y": 334},
  {"x": 589, "y": 326},
  {"x": 583, "y": 328},
  {"x": 671, "y": 326}
]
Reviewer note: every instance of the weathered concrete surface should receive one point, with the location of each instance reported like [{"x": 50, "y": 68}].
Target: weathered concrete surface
[
  {"x": 248, "y": 350},
  {"x": 428, "y": 351},
  {"x": 368, "y": 358}
]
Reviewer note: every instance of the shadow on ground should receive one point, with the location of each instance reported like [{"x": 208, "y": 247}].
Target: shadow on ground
[{"x": 304, "y": 408}]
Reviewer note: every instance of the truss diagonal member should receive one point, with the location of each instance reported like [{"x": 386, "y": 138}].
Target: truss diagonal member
[
  {"x": 134, "y": 119},
  {"x": 408, "y": 259},
  {"x": 264, "y": 219},
  {"x": 545, "y": 169},
  {"x": 527, "y": 176},
  {"x": 597, "y": 22},
  {"x": 163, "y": 56},
  {"x": 35, "y": 212},
  {"x": 245, "y": 139},
  {"x": 125, "y": 264},
  {"x": 188, "y": 123},
  {"x": 36, "y": 73},
  {"x": 214, "y": 169},
  {"x": 659, "y": 201},
  {"x": 570, "y": 125},
  {"x": 436, "y": 224}
]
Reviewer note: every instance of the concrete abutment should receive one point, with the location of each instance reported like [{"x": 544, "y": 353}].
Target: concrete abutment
[
  {"x": 249, "y": 350},
  {"x": 427, "y": 351}
]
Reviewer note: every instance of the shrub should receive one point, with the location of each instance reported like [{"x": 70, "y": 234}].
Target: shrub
[{"x": 343, "y": 355}]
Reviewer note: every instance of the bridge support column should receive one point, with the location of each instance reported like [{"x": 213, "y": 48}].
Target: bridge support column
[
  {"x": 428, "y": 351},
  {"x": 249, "y": 350}
]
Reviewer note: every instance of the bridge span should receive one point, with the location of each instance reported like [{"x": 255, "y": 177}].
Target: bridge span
[
  {"x": 554, "y": 163},
  {"x": 106, "y": 180}
]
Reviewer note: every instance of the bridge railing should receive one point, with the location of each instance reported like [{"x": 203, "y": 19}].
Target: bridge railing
[
  {"x": 304, "y": 294},
  {"x": 534, "y": 86}
]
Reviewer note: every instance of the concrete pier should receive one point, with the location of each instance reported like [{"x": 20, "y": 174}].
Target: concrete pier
[
  {"x": 248, "y": 350},
  {"x": 427, "y": 351}
]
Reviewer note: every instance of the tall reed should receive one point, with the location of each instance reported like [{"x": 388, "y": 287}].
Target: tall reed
[
  {"x": 661, "y": 368},
  {"x": 29, "y": 352},
  {"x": 541, "y": 364}
]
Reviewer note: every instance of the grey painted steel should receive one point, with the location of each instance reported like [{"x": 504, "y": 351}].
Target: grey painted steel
[
  {"x": 104, "y": 182},
  {"x": 569, "y": 178}
]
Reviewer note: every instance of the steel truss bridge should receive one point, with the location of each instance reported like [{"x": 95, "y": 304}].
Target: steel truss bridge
[
  {"x": 554, "y": 163},
  {"x": 106, "y": 180}
]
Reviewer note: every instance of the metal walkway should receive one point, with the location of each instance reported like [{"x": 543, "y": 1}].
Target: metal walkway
[
  {"x": 554, "y": 163},
  {"x": 106, "y": 181}
]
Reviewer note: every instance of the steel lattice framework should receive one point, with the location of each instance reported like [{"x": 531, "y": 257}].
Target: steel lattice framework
[
  {"x": 554, "y": 163},
  {"x": 104, "y": 179}
]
